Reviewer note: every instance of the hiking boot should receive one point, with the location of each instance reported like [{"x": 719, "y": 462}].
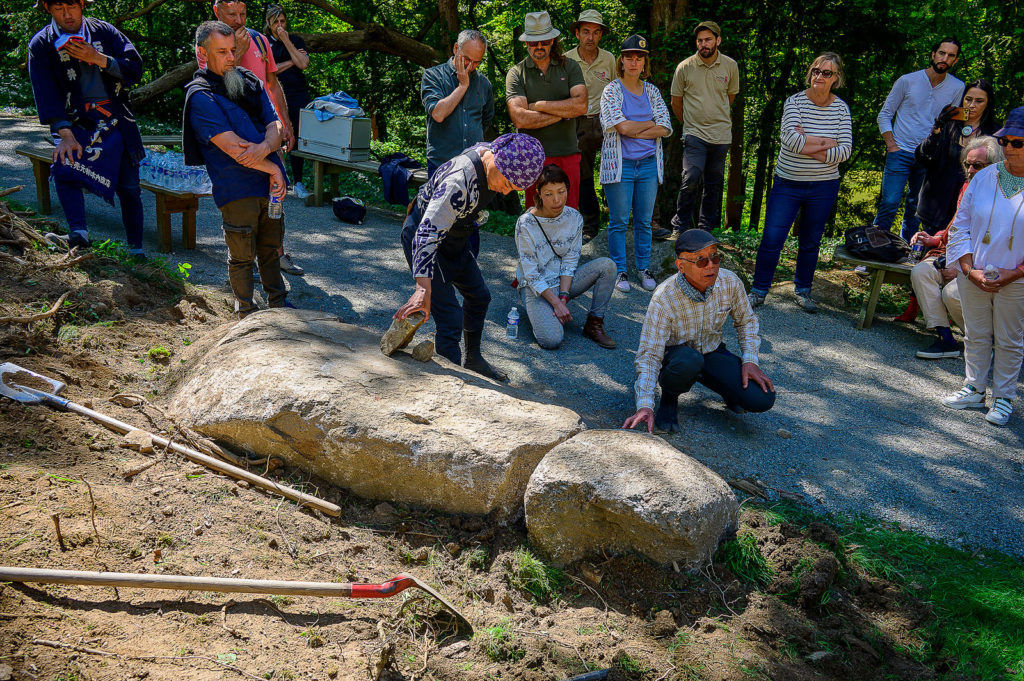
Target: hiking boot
[
  {"x": 69, "y": 241},
  {"x": 940, "y": 349},
  {"x": 756, "y": 299},
  {"x": 401, "y": 332},
  {"x": 1000, "y": 412},
  {"x": 474, "y": 361},
  {"x": 805, "y": 301},
  {"x": 622, "y": 282},
  {"x": 663, "y": 234},
  {"x": 965, "y": 398},
  {"x": 594, "y": 330},
  {"x": 647, "y": 280},
  {"x": 300, "y": 191},
  {"x": 288, "y": 267}
]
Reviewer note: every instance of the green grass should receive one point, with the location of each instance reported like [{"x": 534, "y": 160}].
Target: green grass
[
  {"x": 501, "y": 644},
  {"x": 742, "y": 556},
  {"x": 529, "y": 574},
  {"x": 978, "y": 600}
]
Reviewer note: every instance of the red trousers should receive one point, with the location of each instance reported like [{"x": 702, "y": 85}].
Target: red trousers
[{"x": 571, "y": 165}]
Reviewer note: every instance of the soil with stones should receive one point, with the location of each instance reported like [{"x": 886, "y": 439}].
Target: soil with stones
[{"x": 124, "y": 336}]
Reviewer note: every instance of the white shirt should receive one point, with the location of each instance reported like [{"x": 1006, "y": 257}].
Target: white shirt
[{"x": 983, "y": 210}]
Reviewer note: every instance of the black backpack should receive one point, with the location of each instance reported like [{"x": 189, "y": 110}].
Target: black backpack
[
  {"x": 348, "y": 209},
  {"x": 869, "y": 242}
]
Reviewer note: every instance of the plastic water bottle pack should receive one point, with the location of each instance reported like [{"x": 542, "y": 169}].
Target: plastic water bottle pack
[{"x": 167, "y": 169}]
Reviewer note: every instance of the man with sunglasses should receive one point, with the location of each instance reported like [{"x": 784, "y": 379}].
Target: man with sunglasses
[
  {"x": 681, "y": 341},
  {"x": 545, "y": 93},
  {"x": 905, "y": 120}
]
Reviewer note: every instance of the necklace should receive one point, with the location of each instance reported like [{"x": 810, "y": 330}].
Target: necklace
[{"x": 966, "y": 130}]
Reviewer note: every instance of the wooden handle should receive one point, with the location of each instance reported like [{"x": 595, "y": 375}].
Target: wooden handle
[{"x": 179, "y": 582}]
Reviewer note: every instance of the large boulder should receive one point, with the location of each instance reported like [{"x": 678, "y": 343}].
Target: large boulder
[
  {"x": 619, "y": 490},
  {"x": 318, "y": 393}
]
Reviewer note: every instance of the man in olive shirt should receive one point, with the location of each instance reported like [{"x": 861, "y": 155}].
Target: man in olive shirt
[
  {"x": 598, "y": 70},
  {"x": 545, "y": 93},
  {"x": 703, "y": 89}
]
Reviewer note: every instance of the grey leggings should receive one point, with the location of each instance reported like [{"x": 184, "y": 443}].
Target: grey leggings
[{"x": 598, "y": 274}]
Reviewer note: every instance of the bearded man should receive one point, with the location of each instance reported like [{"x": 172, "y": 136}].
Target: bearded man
[{"x": 229, "y": 125}]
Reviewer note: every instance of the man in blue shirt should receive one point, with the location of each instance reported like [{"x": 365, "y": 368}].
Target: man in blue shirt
[
  {"x": 230, "y": 126},
  {"x": 458, "y": 99},
  {"x": 80, "y": 70},
  {"x": 905, "y": 120}
]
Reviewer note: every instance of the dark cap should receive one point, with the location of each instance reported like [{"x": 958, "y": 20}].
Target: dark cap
[
  {"x": 42, "y": 4},
  {"x": 710, "y": 26},
  {"x": 693, "y": 240},
  {"x": 635, "y": 43},
  {"x": 1014, "y": 124}
]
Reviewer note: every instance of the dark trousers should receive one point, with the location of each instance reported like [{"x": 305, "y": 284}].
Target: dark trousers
[
  {"x": 295, "y": 104},
  {"x": 589, "y": 137},
  {"x": 701, "y": 161},
  {"x": 253, "y": 236},
  {"x": 718, "y": 370},
  {"x": 128, "y": 193},
  {"x": 455, "y": 270}
]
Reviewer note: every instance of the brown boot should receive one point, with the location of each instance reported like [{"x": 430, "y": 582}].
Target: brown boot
[{"x": 594, "y": 330}]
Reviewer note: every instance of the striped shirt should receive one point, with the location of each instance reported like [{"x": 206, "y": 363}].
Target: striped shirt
[
  {"x": 831, "y": 121},
  {"x": 680, "y": 315}
]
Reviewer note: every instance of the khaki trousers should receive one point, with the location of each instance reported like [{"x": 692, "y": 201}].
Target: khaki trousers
[
  {"x": 939, "y": 301},
  {"x": 253, "y": 236},
  {"x": 995, "y": 336}
]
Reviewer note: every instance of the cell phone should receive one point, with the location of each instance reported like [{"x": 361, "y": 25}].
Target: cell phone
[
  {"x": 65, "y": 40},
  {"x": 957, "y": 114}
]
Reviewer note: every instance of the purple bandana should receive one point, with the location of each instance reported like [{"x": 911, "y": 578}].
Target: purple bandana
[{"x": 519, "y": 157}]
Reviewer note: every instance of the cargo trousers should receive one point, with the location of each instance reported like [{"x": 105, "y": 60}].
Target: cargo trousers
[{"x": 253, "y": 237}]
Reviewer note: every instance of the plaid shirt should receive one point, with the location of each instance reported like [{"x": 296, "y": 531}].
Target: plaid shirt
[{"x": 680, "y": 315}]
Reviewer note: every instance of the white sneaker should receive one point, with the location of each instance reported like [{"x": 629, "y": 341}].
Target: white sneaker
[
  {"x": 1000, "y": 412},
  {"x": 621, "y": 282},
  {"x": 965, "y": 398},
  {"x": 300, "y": 191},
  {"x": 861, "y": 270},
  {"x": 647, "y": 280}
]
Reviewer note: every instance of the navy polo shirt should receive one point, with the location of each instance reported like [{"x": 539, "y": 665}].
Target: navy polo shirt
[{"x": 210, "y": 115}]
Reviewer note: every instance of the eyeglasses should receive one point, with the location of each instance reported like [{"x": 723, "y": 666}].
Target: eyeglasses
[
  {"x": 703, "y": 261},
  {"x": 976, "y": 166},
  {"x": 539, "y": 43},
  {"x": 1007, "y": 142},
  {"x": 826, "y": 73}
]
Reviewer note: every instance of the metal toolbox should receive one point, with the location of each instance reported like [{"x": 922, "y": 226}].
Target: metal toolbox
[{"x": 341, "y": 137}]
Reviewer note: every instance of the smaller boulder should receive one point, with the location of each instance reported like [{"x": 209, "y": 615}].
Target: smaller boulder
[
  {"x": 424, "y": 351},
  {"x": 617, "y": 490}
]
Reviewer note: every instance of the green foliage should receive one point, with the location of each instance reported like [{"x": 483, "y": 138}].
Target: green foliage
[
  {"x": 529, "y": 574},
  {"x": 158, "y": 353},
  {"x": 501, "y": 644},
  {"x": 744, "y": 559}
]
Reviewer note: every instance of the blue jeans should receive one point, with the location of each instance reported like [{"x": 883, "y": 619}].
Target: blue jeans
[
  {"x": 902, "y": 171},
  {"x": 128, "y": 192},
  {"x": 787, "y": 198},
  {"x": 635, "y": 194}
]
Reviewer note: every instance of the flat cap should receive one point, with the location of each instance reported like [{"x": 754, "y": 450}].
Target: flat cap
[
  {"x": 709, "y": 26},
  {"x": 693, "y": 240}
]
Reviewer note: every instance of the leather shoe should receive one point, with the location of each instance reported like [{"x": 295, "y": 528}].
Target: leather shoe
[{"x": 594, "y": 330}]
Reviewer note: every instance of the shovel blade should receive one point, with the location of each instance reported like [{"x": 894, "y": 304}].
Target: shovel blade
[{"x": 9, "y": 372}]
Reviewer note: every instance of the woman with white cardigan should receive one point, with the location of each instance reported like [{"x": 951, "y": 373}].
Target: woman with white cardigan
[{"x": 634, "y": 119}]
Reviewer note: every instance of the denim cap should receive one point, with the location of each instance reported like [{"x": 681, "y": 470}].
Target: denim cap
[
  {"x": 1014, "y": 124},
  {"x": 693, "y": 240},
  {"x": 519, "y": 157}
]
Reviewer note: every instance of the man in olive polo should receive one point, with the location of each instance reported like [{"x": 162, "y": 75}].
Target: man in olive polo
[
  {"x": 703, "y": 89},
  {"x": 546, "y": 93},
  {"x": 598, "y": 70}
]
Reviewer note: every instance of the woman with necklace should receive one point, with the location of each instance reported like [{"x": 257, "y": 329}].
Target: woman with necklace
[
  {"x": 549, "y": 238},
  {"x": 816, "y": 137},
  {"x": 987, "y": 241},
  {"x": 940, "y": 152}
]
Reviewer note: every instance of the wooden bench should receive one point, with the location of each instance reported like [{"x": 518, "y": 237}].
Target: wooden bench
[
  {"x": 881, "y": 273},
  {"x": 332, "y": 167},
  {"x": 168, "y": 201}
]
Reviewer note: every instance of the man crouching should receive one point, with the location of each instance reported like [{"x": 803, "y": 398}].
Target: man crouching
[
  {"x": 681, "y": 341},
  {"x": 230, "y": 126}
]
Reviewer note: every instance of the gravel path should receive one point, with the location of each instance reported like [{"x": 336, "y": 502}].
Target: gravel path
[{"x": 857, "y": 426}]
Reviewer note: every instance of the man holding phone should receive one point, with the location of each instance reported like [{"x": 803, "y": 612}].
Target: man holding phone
[
  {"x": 81, "y": 69},
  {"x": 905, "y": 120}
]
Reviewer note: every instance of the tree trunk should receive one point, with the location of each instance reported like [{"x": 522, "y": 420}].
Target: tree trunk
[
  {"x": 736, "y": 190},
  {"x": 449, "y": 11},
  {"x": 766, "y": 132},
  {"x": 666, "y": 15}
]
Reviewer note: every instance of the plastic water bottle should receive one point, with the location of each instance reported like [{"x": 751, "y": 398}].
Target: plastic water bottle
[
  {"x": 991, "y": 273},
  {"x": 275, "y": 211},
  {"x": 512, "y": 323},
  {"x": 917, "y": 250}
]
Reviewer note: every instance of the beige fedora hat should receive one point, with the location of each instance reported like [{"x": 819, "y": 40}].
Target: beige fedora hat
[{"x": 538, "y": 27}]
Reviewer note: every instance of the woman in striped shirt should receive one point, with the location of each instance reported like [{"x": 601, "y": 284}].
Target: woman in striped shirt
[{"x": 816, "y": 137}]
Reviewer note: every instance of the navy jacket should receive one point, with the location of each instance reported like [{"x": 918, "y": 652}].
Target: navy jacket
[{"x": 55, "y": 81}]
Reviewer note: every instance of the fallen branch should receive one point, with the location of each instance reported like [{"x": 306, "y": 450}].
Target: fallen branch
[
  {"x": 69, "y": 263},
  {"x": 11, "y": 190},
  {"x": 36, "y": 317},
  {"x": 8, "y": 256}
]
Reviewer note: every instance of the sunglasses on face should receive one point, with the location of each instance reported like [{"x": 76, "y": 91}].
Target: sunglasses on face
[
  {"x": 703, "y": 261},
  {"x": 976, "y": 166},
  {"x": 1007, "y": 142},
  {"x": 825, "y": 73},
  {"x": 539, "y": 43}
]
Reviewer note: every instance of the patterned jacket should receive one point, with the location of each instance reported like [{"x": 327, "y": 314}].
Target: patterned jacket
[{"x": 611, "y": 115}]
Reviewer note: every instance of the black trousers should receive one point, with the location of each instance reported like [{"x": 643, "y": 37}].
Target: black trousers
[
  {"x": 718, "y": 370},
  {"x": 455, "y": 270}
]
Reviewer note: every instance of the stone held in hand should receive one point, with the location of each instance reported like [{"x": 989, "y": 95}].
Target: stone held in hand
[
  {"x": 401, "y": 332},
  {"x": 424, "y": 351},
  {"x": 617, "y": 490}
]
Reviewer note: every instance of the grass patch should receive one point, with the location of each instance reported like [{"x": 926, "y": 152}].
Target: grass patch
[
  {"x": 742, "y": 556},
  {"x": 501, "y": 644},
  {"x": 531, "y": 575}
]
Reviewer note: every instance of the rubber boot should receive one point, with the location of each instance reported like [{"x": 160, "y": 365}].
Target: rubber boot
[
  {"x": 474, "y": 361},
  {"x": 910, "y": 314},
  {"x": 667, "y": 416},
  {"x": 594, "y": 330}
]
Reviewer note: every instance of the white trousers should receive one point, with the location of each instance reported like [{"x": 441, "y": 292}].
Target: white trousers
[
  {"x": 938, "y": 300},
  {"x": 994, "y": 336}
]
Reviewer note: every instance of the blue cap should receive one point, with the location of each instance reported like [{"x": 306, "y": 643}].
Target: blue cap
[
  {"x": 693, "y": 240},
  {"x": 1014, "y": 124}
]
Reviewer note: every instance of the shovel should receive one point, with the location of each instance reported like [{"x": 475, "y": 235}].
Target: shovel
[
  {"x": 227, "y": 585},
  {"x": 26, "y": 395}
]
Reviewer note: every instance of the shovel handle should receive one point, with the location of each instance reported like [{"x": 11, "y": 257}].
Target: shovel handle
[{"x": 385, "y": 590}]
